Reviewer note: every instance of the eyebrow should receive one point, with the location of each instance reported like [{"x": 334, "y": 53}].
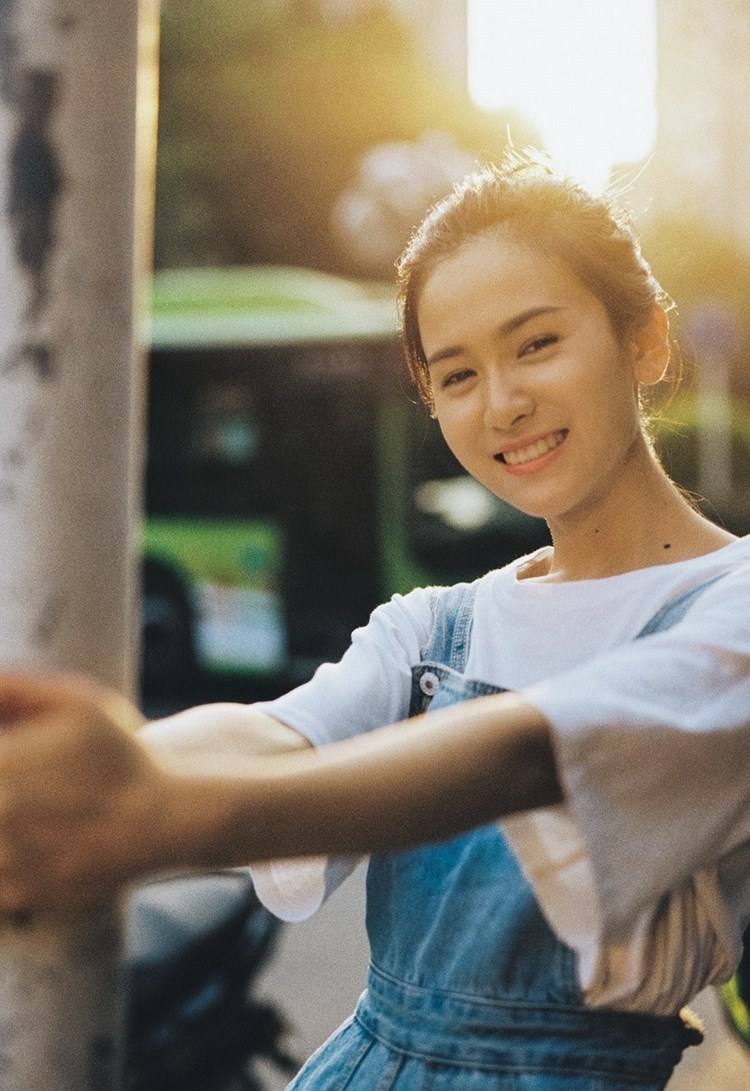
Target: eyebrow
[{"x": 503, "y": 330}]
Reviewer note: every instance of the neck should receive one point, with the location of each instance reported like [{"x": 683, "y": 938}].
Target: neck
[{"x": 642, "y": 521}]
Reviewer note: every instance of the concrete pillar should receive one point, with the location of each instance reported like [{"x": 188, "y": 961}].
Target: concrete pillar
[{"x": 77, "y": 137}]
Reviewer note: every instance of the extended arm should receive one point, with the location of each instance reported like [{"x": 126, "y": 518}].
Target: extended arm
[
  {"x": 86, "y": 806},
  {"x": 412, "y": 782}
]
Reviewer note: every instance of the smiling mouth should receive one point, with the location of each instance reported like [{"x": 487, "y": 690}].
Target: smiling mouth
[{"x": 534, "y": 450}]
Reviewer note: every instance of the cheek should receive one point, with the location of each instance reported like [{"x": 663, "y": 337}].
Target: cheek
[
  {"x": 446, "y": 431},
  {"x": 616, "y": 391},
  {"x": 455, "y": 423},
  {"x": 460, "y": 442},
  {"x": 446, "y": 426}
]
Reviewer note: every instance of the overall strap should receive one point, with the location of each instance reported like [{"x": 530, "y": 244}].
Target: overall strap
[
  {"x": 675, "y": 610},
  {"x": 451, "y": 630}
]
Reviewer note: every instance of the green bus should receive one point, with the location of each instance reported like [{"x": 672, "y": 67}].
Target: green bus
[{"x": 293, "y": 480}]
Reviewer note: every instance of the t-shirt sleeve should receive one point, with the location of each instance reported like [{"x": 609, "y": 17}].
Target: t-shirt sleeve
[
  {"x": 368, "y": 688},
  {"x": 371, "y": 685},
  {"x": 653, "y": 748}
]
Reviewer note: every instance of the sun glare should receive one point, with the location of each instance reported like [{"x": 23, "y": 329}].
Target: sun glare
[{"x": 583, "y": 72}]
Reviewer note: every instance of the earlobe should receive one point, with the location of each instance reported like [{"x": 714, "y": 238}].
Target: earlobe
[{"x": 651, "y": 349}]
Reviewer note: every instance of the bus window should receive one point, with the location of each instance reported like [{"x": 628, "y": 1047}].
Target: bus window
[
  {"x": 228, "y": 432},
  {"x": 208, "y": 436},
  {"x": 280, "y": 468},
  {"x": 213, "y": 547}
]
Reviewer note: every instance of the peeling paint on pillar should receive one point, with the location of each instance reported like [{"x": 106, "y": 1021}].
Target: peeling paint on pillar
[
  {"x": 35, "y": 181},
  {"x": 35, "y": 175},
  {"x": 69, "y": 407},
  {"x": 33, "y": 187},
  {"x": 30, "y": 85},
  {"x": 69, "y": 414}
]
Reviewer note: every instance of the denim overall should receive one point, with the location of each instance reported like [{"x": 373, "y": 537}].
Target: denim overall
[{"x": 468, "y": 987}]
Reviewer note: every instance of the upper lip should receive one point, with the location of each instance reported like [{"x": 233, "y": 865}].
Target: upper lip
[{"x": 528, "y": 441}]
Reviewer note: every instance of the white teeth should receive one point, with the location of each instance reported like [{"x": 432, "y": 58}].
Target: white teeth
[{"x": 534, "y": 450}]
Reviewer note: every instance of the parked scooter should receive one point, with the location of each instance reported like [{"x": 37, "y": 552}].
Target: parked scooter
[{"x": 195, "y": 947}]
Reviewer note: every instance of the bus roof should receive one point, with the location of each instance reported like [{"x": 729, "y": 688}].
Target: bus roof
[{"x": 265, "y": 305}]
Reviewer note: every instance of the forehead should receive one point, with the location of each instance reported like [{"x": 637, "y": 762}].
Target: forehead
[{"x": 489, "y": 281}]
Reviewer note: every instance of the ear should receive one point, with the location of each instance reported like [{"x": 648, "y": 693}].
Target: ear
[{"x": 650, "y": 344}]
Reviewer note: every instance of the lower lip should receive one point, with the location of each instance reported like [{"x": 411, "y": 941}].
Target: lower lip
[{"x": 534, "y": 465}]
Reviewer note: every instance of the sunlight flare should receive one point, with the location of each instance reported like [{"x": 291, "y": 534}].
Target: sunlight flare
[{"x": 582, "y": 72}]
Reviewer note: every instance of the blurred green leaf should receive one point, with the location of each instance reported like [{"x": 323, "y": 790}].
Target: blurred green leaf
[{"x": 263, "y": 120}]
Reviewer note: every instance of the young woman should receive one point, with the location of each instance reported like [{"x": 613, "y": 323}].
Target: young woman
[{"x": 596, "y": 691}]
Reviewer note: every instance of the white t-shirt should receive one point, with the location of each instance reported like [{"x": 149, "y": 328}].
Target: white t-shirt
[{"x": 645, "y": 871}]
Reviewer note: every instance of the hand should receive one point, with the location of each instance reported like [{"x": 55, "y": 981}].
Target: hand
[{"x": 82, "y": 803}]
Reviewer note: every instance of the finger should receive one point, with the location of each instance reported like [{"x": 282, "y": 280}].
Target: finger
[
  {"x": 24, "y": 694},
  {"x": 45, "y": 750},
  {"x": 75, "y": 747}
]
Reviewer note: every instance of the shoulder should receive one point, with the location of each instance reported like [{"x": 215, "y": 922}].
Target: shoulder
[
  {"x": 726, "y": 559},
  {"x": 414, "y": 616},
  {"x": 698, "y": 583},
  {"x": 723, "y": 575},
  {"x": 706, "y": 598}
]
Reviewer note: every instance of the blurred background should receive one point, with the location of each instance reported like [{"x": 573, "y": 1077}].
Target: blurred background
[{"x": 293, "y": 481}]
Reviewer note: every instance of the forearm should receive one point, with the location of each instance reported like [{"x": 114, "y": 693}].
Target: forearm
[
  {"x": 86, "y": 807},
  {"x": 418, "y": 781}
]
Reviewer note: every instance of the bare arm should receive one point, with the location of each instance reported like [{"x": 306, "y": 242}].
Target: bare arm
[
  {"x": 86, "y": 806},
  {"x": 412, "y": 782},
  {"x": 208, "y": 731}
]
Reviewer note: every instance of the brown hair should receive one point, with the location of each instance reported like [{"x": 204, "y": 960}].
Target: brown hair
[{"x": 525, "y": 199}]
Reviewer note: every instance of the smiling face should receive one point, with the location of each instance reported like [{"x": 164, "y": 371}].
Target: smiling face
[{"x": 535, "y": 394}]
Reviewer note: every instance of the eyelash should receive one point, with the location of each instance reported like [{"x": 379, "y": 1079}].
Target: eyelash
[
  {"x": 536, "y": 344},
  {"x": 456, "y": 377}
]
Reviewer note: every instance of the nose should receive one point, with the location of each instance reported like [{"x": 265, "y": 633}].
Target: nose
[{"x": 506, "y": 400}]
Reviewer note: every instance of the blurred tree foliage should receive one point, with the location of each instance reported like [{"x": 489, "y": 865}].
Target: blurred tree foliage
[
  {"x": 265, "y": 110},
  {"x": 699, "y": 267},
  {"x": 702, "y": 269},
  {"x": 678, "y": 439}
]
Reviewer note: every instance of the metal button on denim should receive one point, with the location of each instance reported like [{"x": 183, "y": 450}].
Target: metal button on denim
[{"x": 429, "y": 683}]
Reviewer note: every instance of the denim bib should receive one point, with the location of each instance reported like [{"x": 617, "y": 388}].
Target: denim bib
[{"x": 468, "y": 988}]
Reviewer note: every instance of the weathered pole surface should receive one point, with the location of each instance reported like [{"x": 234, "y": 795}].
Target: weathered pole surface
[{"x": 77, "y": 132}]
